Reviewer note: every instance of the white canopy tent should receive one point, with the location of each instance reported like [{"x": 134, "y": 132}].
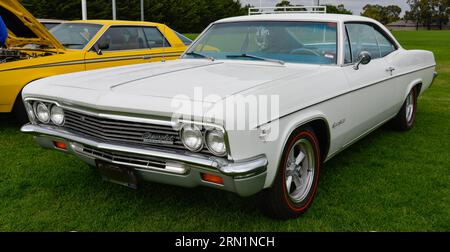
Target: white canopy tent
[{"x": 114, "y": 10}]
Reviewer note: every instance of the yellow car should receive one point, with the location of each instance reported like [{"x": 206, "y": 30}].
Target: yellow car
[{"x": 33, "y": 52}]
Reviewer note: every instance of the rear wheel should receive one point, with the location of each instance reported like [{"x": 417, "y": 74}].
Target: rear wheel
[
  {"x": 298, "y": 174},
  {"x": 406, "y": 117}
]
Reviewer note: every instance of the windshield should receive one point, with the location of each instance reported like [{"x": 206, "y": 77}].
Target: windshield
[
  {"x": 296, "y": 42},
  {"x": 73, "y": 35}
]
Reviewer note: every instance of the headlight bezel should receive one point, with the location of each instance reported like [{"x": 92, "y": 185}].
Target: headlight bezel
[
  {"x": 205, "y": 128},
  {"x": 52, "y": 113},
  {"x": 209, "y": 144},
  {"x": 193, "y": 128},
  {"x": 50, "y": 104},
  {"x": 36, "y": 106},
  {"x": 30, "y": 112}
]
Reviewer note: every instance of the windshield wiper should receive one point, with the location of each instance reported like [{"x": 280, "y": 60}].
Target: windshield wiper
[
  {"x": 200, "y": 55},
  {"x": 245, "y": 55}
]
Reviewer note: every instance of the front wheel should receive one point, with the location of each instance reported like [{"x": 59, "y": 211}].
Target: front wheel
[
  {"x": 406, "y": 117},
  {"x": 298, "y": 175}
]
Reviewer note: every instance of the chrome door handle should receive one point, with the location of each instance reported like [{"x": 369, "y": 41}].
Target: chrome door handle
[{"x": 390, "y": 69}]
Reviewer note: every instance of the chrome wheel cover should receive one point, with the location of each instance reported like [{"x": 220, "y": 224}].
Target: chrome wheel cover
[
  {"x": 409, "y": 107},
  {"x": 300, "y": 169}
]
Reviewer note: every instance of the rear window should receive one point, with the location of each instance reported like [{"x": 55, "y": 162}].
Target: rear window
[{"x": 184, "y": 39}]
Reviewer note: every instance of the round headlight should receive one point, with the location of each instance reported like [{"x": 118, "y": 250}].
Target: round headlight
[
  {"x": 42, "y": 112},
  {"x": 215, "y": 141},
  {"x": 30, "y": 112},
  {"x": 57, "y": 115},
  {"x": 192, "y": 138}
]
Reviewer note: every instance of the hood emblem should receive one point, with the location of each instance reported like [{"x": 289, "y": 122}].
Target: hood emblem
[{"x": 152, "y": 138}]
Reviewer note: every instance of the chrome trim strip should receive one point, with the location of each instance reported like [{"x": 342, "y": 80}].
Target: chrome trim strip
[
  {"x": 242, "y": 168},
  {"x": 91, "y": 61},
  {"x": 351, "y": 142},
  {"x": 346, "y": 92},
  {"x": 168, "y": 168}
]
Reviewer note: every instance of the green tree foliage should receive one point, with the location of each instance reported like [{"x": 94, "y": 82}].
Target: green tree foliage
[
  {"x": 428, "y": 12},
  {"x": 340, "y": 9},
  {"x": 384, "y": 14},
  {"x": 181, "y": 15}
]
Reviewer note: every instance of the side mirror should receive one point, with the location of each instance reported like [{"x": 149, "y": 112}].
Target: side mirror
[
  {"x": 363, "y": 58},
  {"x": 103, "y": 45},
  {"x": 100, "y": 46}
]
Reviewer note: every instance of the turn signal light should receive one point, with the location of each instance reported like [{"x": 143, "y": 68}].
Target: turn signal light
[
  {"x": 60, "y": 145},
  {"x": 212, "y": 178}
]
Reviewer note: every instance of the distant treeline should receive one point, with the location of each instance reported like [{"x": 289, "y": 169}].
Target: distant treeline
[{"x": 181, "y": 15}]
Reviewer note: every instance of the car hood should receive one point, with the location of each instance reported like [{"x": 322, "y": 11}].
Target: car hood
[
  {"x": 182, "y": 78},
  {"x": 24, "y": 28},
  {"x": 151, "y": 88}
]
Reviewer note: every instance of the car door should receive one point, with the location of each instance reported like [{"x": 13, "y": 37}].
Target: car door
[
  {"x": 160, "y": 47},
  {"x": 120, "y": 45},
  {"x": 373, "y": 90}
]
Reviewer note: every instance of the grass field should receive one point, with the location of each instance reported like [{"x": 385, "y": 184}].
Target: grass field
[{"x": 388, "y": 181}]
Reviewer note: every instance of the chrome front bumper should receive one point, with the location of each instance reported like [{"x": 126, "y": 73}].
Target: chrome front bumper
[{"x": 182, "y": 168}]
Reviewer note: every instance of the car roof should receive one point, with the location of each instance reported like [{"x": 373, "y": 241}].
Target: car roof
[
  {"x": 298, "y": 17},
  {"x": 114, "y": 22}
]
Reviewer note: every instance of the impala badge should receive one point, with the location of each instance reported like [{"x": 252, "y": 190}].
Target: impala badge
[
  {"x": 152, "y": 138},
  {"x": 336, "y": 124}
]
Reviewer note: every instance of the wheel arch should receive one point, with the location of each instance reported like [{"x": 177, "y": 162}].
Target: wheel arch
[
  {"x": 417, "y": 83},
  {"x": 19, "y": 94},
  {"x": 319, "y": 124}
]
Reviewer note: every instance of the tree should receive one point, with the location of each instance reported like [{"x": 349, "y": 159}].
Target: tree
[
  {"x": 283, "y": 3},
  {"x": 384, "y": 14},
  {"x": 414, "y": 13},
  {"x": 340, "y": 9},
  {"x": 181, "y": 15},
  {"x": 441, "y": 12},
  {"x": 428, "y": 12}
]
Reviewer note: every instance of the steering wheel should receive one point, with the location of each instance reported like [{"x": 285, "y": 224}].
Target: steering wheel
[{"x": 304, "y": 50}]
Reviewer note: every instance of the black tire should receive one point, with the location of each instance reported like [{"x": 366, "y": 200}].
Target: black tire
[
  {"x": 277, "y": 201},
  {"x": 404, "y": 121},
  {"x": 19, "y": 111}
]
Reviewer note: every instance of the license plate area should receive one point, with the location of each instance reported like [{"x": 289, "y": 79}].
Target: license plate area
[{"x": 118, "y": 174}]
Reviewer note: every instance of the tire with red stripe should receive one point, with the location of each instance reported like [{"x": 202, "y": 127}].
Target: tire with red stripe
[
  {"x": 297, "y": 178},
  {"x": 406, "y": 117}
]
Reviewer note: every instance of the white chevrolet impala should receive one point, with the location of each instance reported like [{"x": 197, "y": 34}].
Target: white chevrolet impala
[{"x": 255, "y": 105}]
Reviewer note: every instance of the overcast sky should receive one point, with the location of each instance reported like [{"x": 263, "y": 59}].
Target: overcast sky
[{"x": 354, "y": 5}]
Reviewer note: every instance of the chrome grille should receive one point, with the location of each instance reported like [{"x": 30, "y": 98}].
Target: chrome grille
[{"x": 111, "y": 130}]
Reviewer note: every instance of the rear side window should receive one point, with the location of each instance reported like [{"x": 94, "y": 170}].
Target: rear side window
[
  {"x": 364, "y": 37},
  {"x": 124, "y": 38},
  {"x": 184, "y": 39},
  {"x": 386, "y": 47},
  {"x": 154, "y": 37}
]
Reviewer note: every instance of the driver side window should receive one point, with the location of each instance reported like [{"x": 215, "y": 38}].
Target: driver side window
[
  {"x": 364, "y": 37},
  {"x": 121, "y": 38}
]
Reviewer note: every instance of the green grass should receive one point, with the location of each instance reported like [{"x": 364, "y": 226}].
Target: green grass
[{"x": 388, "y": 181}]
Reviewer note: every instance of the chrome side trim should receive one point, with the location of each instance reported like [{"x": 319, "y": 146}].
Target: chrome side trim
[
  {"x": 346, "y": 92},
  {"x": 351, "y": 142}
]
